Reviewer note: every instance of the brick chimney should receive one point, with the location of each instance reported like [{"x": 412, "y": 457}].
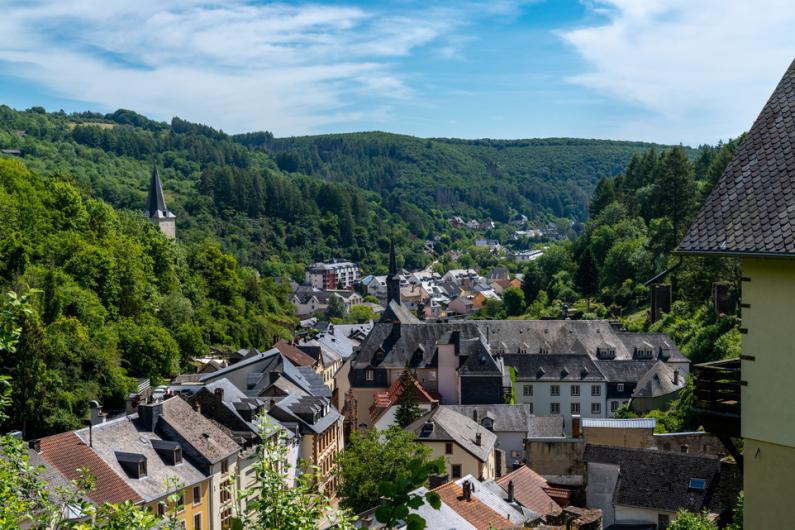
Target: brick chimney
[
  {"x": 467, "y": 487},
  {"x": 576, "y": 430},
  {"x": 510, "y": 491},
  {"x": 676, "y": 376}
]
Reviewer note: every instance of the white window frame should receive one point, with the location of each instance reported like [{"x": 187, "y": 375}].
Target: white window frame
[
  {"x": 575, "y": 390},
  {"x": 596, "y": 390},
  {"x": 554, "y": 390},
  {"x": 614, "y": 406},
  {"x": 369, "y": 375},
  {"x": 596, "y": 408},
  {"x": 553, "y": 406},
  {"x": 575, "y": 407},
  {"x": 620, "y": 387},
  {"x": 527, "y": 390}
]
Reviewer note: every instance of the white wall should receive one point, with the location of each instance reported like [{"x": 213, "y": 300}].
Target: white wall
[
  {"x": 448, "y": 375},
  {"x": 542, "y": 398},
  {"x": 602, "y": 480},
  {"x": 631, "y": 514}
]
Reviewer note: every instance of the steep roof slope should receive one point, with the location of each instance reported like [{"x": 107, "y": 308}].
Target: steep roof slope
[
  {"x": 529, "y": 490},
  {"x": 449, "y": 425},
  {"x": 751, "y": 211}
]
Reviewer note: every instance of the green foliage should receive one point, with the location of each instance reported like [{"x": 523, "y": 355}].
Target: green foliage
[
  {"x": 408, "y": 409},
  {"x": 686, "y": 520},
  {"x": 513, "y": 301},
  {"x": 373, "y": 458},
  {"x": 398, "y": 496}
]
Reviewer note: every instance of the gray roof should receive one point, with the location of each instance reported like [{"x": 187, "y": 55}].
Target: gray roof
[
  {"x": 624, "y": 371},
  {"x": 449, "y": 425},
  {"x": 125, "y": 435},
  {"x": 201, "y": 433},
  {"x": 494, "y": 500},
  {"x": 155, "y": 201},
  {"x": 553, "y": 367},
  {"x": 659, "y": 381},
  {"x": 296, "y": 408},
  {"x": 632, "y": 423},
  {"x": 660, "y": 480},
  {"x": 751, "y": 210},
  {"x": 513, "y": 418}
]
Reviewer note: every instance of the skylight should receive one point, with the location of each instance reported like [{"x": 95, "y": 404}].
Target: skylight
[{"x": 697, "y": 484}]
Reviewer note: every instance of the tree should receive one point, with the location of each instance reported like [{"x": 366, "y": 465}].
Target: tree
[
  {"x": 603, "y": 195},
  {"x": 399, "y": 496},
  {"x": 407, "y": 408},
  {"x": 513, "y": 301},
  {"x": 372, "y": 458},
  {"x": 336, "y": 308},
  {"x": 674, "y": 192}
]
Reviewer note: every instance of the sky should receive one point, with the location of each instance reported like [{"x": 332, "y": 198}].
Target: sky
[{"x": 669, "y": 71}]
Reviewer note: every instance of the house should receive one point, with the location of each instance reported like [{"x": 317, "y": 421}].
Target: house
[
  {"x": 492, "y": 244},
  {"x": 413, "y": 295},
  {"x": 657, "y": 388},
  {"x": 519, "y": 219},
  {"x": 384, "y": 407},
  {"x": 480, "y": 506},
  {"x": 527, "y": 255},
  {"x": 467, "y": 447},
  {"x": 636, "y": 433},
  {"x": 750, "y": 214},
  {"x": 333, "y": 275},
  {"x": 512, "y": 424},
  {"x": 499, "y": 286},
  {"x": 308, "y": 300},
  {"x": 464, "y": 278},
  {"x": 533, "y": 492},
  {"x": 462, "y": 305},
  {"x": 641, "y": 486},
  {"x": 480, "y": 297}
]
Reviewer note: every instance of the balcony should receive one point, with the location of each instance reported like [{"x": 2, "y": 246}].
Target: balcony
[{"x": 717, "y": 400}]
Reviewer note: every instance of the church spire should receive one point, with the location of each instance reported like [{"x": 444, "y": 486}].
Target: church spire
[
  {"x": 156, "y": 209},
  {"x": 393, "y": 279}
]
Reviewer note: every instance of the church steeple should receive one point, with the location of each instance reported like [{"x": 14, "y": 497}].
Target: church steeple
[
  {"x": 156, "y": 209},
  {"x": 393, "y": 280}
]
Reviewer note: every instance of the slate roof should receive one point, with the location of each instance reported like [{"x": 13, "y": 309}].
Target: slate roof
[
  {"x": 660, "y": 480},
  {"x": 624, "y": 371},
  {"x": 451, "y": 426},
  {"x": 528, "y": 489},
  {"x": 513, "y": 418},
  {"x": 125, "y": 435},
  {"x": 659, "y": 381},
  {"x": 155, "y": 201},
  {"x": 68, "y": 453},
  {"x": 751, "y": 210},
  {"x": 474, "y": 511},
  {"x": 202, "y": 434},
  {"x": 295, "y": 408},
  {"x": 552, "y": 367}
]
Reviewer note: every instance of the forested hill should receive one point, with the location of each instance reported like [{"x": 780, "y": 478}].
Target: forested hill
[{"x": 479, "y": 178}]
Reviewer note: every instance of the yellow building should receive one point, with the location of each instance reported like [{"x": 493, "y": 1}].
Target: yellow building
[
  {"x": 468, "y": 448},
  {"x": 751, "y": 215},
  {"x": 192, "y": 506}
]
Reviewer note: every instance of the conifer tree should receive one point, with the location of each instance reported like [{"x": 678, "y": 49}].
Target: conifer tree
[{"x": 408, "y": 410}]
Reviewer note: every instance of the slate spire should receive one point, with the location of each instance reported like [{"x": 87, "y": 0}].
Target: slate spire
[
  {"x": 393, "y": 279},
  {"x": 156, "y": 202}
]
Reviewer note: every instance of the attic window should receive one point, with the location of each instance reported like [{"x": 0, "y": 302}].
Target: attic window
[
  {"x": 564, "y": 373},
  {"x": 540, "y": 372},
  {"x": 427, "y": 430},
  {"x": 369, "y": 375},
  {"x": 170, "y": 452},
  {"x": 698, "y": 484},
  {"x": 134, "y": 464},
  {"x": 544, "y": 349},
  {"x": 643, "y": 353},
  {"x": 379, "y": 355},
  {"x": 606, "y": 353}
]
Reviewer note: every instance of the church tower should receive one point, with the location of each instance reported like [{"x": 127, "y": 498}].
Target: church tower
[
  {"x": 156, "y": 210},
  {"x": 393, "y": 279}
]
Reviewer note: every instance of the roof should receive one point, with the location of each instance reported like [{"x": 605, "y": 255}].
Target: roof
[
  {"x": 494, "y": 497},
  {"x": 528, "y": 489},
  {"x": 297, "y": 409},
  {"x": 125, "y": 435},
  {"x": 295, "y": 355},
  {"x": 660, "y": 480},
  {"x": 50, "y": 475},
  {"x": 474, "y": 511},
  {"x": 155, "y": 201},
  {"x": 385, "y": 400},
  {"x": 513, "y": 418},
  {"x": 451, "y": 426},
  {"x": 659, "y": 381},
  {"x": 68, "y": 453},
  {"x": 624, "y": 371},
  {"x": 751, "y": 210},
  {"x": 552, "y": 367},
  {"x": 634, "y": 423},
  {"x": 202, "y": 434}
]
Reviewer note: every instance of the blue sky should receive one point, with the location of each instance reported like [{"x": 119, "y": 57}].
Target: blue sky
[{"x": 658, "y": 70}]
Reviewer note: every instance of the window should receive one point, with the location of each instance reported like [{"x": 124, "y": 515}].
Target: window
[
  {"x": 161, "y": 509},
  {"x": 448, "y": 448},
  {"x": 226, "y": 518},
  {"x": 224, "y": 467},
  {"x": 197, "y": 494},
  {"x": 528, "y": 390},
  {"x": 613, "y": 406},
  {"x": 181, "y": 502},
  {"x": 596, "y": 390},
  {"x": 197, "y": 522},
  {"x": 530, "y": 406},
  {"x": 620, "y": 387},
  {"x": 575, "y": 390},
  {"x": 369, "y": 375},
  {"x": 663, "y": 521},
  {"x": 226, "y": 490},
  {"x": 596, "y": 408},
  {"x": 554, "y": 390},
  {"x": 554, "y": 408},
  {"x": 456, "y": 470},
  {"x": 575, "y": 408}
]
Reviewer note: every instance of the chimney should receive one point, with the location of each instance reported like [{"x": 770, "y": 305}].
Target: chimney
[
  {"x": 510, "y": 491},
  {"x": 148, "y": 413},
  {"x": 676, "y": 376},
  {"x": 35, "y": 445},
  {"x": 90, "y": 425},
  {"x": 475, "y": 415},
  {"x": 196, "y": 406},
  {"x": 467, "y": 486},
  {"x": 97, "y": 416},
  {"x": 219, "y": 393},
  {"x": 683, "y": 448},
  {"x": 478, "y": 440},
  {"x": 576, "y": 431}
]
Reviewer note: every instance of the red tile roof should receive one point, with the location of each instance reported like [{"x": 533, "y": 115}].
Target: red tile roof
[
  {"x": 295, "y": 355},
  {"x": 530, "y": 489},
  {"x": 475, "y": 512},
  {"x": 384, "y": 400},
  {"x": 67, "y": 453}
]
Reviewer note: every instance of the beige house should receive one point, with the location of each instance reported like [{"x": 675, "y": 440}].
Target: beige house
[
  {"x": 751, "y": 215},
  {"x": 467, "y": 447}
]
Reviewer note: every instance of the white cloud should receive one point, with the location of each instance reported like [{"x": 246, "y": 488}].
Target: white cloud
[
  {"x": 703, "y": 69},
  {"x": 235, "y": 64}
]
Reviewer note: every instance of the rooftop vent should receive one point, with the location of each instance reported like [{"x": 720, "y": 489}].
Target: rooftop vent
[{"x": 134, "y": 464}]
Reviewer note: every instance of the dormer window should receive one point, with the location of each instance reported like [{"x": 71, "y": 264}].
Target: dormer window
[
  {"x": 643, "y": 352},
  {"x": 606, "y": 352},
  {"x": 134, "y": 464},
  {"x": 544, "y": 350},
  {"x": 170, "y": 452},
  {"x": 379, "y": 356},
  {"x": 369, "y": 375}
]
